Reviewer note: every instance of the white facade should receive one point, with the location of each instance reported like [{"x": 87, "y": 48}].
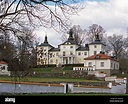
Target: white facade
[
  {"x": 102, "y": 64},
  {"x": 96, "y": 48},
  {"x": 93, "y": 56},
  {"x": 68, "y": 52}
]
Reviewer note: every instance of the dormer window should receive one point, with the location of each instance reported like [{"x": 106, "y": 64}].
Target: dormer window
[
  {"x": 94, "y": 46},
  {"x": 67, "y": 43},
  {"x": 97, "y": 57},
  {"x": 71, "y": 46}
]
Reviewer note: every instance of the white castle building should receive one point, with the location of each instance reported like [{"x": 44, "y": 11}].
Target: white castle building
[{"x": 91, "y": 55}]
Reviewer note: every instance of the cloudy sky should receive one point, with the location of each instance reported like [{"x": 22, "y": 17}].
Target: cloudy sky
[{"x": 112, "y": 15}]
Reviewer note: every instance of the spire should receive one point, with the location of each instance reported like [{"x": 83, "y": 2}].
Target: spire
[
  {"x": 71, "y": 34},
  {"x": 45, "y": 41},
  {"x": 97, "y": 37}
]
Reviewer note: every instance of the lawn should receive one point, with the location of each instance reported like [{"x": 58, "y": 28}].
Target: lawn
[
  {"x": 49, "y": 70},
  {"x": 40, "y": 79}
]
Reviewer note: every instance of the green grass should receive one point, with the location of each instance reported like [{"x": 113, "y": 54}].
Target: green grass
[
  {"x": 40, "y": 79},
  {"x": 6, "y": 78},
  {"x": 45, "y": 69},
  {"x": 60, "y": 80},
  {"x": 50, "y": 69}
]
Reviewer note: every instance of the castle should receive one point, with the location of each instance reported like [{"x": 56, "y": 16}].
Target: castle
[{"x": 70, "y": 52}]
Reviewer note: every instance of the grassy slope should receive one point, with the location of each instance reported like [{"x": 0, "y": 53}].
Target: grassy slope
[{"x": 50, "y": 70}]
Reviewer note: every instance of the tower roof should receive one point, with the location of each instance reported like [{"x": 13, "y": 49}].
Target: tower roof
[
  {"x": 70, "y": 40},
  {"x": 99, "y": 56},
  {"x": 97, "y": 40},
  {"x": 45, "y": 43},
  {"x": 70, "y": 35}
]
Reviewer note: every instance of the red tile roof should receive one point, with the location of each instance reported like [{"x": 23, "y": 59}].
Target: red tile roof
[
  {"x": 2, "y": 62},
  {"x": 99, "y": 56}
]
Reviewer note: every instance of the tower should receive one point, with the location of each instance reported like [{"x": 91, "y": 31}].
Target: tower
[{"x": 97, "y": 46}]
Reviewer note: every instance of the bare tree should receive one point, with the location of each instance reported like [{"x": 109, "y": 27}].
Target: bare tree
[
  {"x": 36, "y": 13},
  {"x": 18, "y": 18},
  {"x": 95, "y": 30},
  {"x": 16, "y": 15},
  {"x": 118, "y": 44},
  {"x": 6, "y": 48},
  {"x": 83, "y": 36},
  {"x": 20, "y": 64}
]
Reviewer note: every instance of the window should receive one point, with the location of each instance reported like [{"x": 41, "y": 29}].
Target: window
[
  {"x": 102, "y": 64},
  {"x": 51, "y": 61},
  {"x": 89, "y": 63},
  {"x": 94, "y": 46},
  {"x": 63, "y": 53},
  {"x": 3, "y": 68},
  {"x": 71, "y": 46},
  {"x": 95, "y": 52},
  {"x": 71, "y": 53},
  {"x": 57, "y": 54},
  {"x": 50, "y": 55},
  {"x": 111, "y": 64},
  {"x": 114, "y": 66},
  {"x": 85, "y": 53},
  {"x": 117, "y": 66},
  {"x": 79, "y": 53},
  {"x": 56, "y": 61}
]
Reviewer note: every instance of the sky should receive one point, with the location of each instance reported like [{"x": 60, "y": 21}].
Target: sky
[{"x": 112, "y": 15}]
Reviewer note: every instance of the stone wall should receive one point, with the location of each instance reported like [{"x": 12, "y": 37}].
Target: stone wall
[
  {"x": 73, "y": 74},
  {"x": 91, "y": 90},
  {"x": 108, "y": 71},
  {"x": 27, "y": 88},
  {"x": 60, "y": 88}
]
